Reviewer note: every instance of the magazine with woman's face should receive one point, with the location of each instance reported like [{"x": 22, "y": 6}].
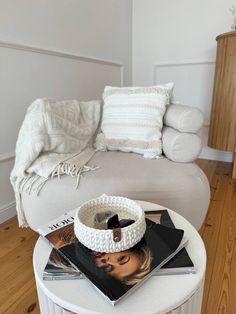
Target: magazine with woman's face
[
  {"x": 58, "y": 268},
  {"x": 115, "y": 274}
]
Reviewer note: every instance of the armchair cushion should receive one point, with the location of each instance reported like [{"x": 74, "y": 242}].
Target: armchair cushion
[
  {"x": 179, "y": 186},
  {"x": 183, "y": 118}
]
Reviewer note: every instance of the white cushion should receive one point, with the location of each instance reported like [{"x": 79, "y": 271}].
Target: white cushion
[
  {"x": 180, "y": 147},
  {"x": 183, "y": 118},
  {"x": 179, "y": 186},
  {"x": 133, "y": 118}
]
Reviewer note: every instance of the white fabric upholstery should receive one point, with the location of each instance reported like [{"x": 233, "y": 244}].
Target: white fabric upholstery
[
  {"x": 132, "y": 119},
  {"x": 180, "y": 147},
  {"x": 183, "y": 118},
  {"x": 182, "y": 187}
]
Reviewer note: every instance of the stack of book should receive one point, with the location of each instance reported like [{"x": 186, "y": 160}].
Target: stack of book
[{"x": 161, "y": 252}]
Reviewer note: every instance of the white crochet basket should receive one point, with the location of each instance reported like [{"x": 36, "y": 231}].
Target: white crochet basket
[{"x": 106, "y": 240}]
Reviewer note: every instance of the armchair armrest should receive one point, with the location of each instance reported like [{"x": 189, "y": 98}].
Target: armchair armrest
[{"x": 183, "y": 118}]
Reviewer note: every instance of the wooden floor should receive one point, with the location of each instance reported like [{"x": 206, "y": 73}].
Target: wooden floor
[
  {"x": 219, "y": 236},
  {"x": 17, "y": 286}
]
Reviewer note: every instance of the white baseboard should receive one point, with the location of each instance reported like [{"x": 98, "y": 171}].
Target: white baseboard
[
  {"x": 7, "y": 211},
  {"x": 210, "y": 153},
  {"x": 213, "y": 154}
]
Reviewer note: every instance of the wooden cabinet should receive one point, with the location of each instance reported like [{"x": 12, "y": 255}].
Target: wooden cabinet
[{"x": 222, "y": 133}]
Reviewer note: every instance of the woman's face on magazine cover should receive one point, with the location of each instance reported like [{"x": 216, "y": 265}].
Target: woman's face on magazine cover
[{"x": 119, "y": 265}]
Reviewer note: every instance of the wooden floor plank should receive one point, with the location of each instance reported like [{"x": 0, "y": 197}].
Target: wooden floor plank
[
  {"x": 23, "y": 299},
  {"x": 225, "y": 254},
  {"x": 207, "y": 167},
  {"x": 210, "y": 230},
  {"x": 17, "y": 284},
  {"x": 11, "y": 237},
  {"x": 232, "y": 286},
  {"x": 217, "y": 233},
  {"x": 220, "y": 270},
  {"x": 17, "y": 257},
  {"x": 27, "y": 303}
]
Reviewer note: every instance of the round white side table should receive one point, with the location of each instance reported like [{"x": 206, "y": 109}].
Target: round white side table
[{"x": 172, "y": 294}]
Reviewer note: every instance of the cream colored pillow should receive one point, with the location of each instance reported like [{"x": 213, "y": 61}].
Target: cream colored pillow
[
  {"x": 180, "y": 147},
  {"x": 183, "y": 118},
  {"x": 133, "y": 118}
]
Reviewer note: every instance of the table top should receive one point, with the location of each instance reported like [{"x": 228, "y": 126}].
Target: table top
[{"x": 159, "y": 294}]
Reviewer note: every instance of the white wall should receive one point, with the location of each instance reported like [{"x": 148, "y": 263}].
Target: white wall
[
  {"x": 175, "y": 41},
  {"x": 61, "y": 49}
]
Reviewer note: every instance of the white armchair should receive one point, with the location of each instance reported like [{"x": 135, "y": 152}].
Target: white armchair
[{"x": 173, "y": 181}]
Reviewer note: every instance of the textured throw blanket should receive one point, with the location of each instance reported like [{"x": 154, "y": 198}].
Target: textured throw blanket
[{"x": 56, "y": 138}]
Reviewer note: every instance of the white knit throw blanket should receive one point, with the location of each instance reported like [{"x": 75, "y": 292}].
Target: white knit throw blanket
[{"x": 55, "y": 138}]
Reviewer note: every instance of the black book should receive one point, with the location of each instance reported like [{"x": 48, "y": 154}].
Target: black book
[
  {"x": 181, "y": 263},
  {"x": 115, "y": 274}
]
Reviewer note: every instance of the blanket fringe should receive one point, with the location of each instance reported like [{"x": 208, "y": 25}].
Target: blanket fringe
[
  {"x": 72, "y": 170},
  {"x": 34, "y": 184},
  {"x": 22, "y": 222},
  {"x": 29, "y": 184}
]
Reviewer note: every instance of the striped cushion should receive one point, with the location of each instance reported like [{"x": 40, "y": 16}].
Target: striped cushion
[{"x": 132, "y": 119}]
